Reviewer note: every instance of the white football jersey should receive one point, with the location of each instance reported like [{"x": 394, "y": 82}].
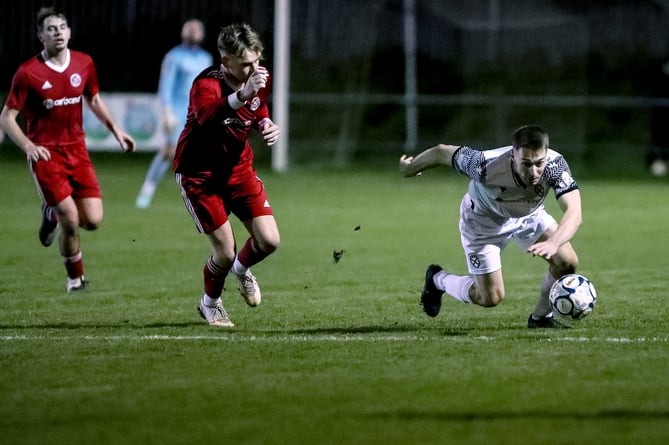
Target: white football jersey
[{"x": 499, "y": 192}]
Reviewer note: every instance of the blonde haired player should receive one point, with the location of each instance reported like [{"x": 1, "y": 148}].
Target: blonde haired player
[{"x": 214, "y": 167}]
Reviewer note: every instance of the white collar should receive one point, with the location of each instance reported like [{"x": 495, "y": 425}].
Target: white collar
[{"x": 54, "y": 66}]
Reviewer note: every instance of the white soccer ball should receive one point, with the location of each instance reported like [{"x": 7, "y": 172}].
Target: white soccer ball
[
  {"x": 659, "y": 168},
  {"x": 573, "y": 296}
]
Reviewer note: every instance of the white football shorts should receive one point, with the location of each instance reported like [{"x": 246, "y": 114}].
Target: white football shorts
[{"x": 484, "y": 238}]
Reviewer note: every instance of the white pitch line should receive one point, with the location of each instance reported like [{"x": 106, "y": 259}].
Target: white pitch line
[{"x": 305, "y": 338}]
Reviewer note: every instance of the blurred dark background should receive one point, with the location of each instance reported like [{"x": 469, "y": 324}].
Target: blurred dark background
[{"x": 594, "y": 73}]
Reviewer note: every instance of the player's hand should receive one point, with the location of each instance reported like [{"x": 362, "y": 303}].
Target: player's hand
[
  {"x": 406, "y": 169},
  {"x": 169, "y": 121},
  {"x": 126, "y": 141},
  {"x": 270, "y": 132},
  {"x": 544, "y": 249},
  {"x": 37, "y": 152},
  {"x": 256, "y": 81}
]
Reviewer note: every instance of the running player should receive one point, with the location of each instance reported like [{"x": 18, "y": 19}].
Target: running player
[
  {"x": 504, "y": 202},
  {"x": 49, "y": 89},
  {"x": 214, "y": 167}
]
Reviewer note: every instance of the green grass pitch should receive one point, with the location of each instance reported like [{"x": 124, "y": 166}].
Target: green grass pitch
[{"x": 338, "y": 352}]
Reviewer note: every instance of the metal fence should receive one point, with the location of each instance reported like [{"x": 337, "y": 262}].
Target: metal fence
[{"x": 590, "y": 72}]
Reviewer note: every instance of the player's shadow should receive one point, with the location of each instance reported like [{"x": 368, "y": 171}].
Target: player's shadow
[
  {"x": 111, "y": 325},
  {"x": 459, "y": 416},
  {"x": 395, "y": 328}
]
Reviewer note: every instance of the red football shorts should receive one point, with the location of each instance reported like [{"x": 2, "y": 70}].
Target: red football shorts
[
  {"x": 68, "y": 172},
  {"x": 210, "y": 200}
]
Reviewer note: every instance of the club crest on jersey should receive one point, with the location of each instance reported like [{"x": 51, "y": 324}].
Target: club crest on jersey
[
  {"x": 474, "y": 260},
  {"x": 255, "y": 103},
  {"x": 539, "y": 190},
  {"x": 75, "y": 80}
]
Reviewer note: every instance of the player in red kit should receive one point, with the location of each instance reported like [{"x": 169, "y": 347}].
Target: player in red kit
[
  {"x": 48, "y": 89},
  {"x": 214, "y": 167}
]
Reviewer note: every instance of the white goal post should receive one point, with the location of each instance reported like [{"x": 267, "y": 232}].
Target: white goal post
[{"x": 281, "y": 83}]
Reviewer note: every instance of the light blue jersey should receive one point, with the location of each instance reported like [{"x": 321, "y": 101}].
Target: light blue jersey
[{"x": 180, "y": 66}]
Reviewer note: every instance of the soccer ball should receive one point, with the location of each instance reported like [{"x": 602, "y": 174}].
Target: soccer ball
[
  {"x": 659, "y": 168},
  {"x": 573, "y": 296}
]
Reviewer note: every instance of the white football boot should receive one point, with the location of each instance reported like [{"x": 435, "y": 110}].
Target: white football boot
[
  {"x": 215, "y": 315},
  {"x": 248, "y": 288}
]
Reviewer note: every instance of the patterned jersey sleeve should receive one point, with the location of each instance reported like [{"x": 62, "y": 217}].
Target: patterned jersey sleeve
[
  {"x": 559, "y": 176},
  {"x": 470, "y": 162}
]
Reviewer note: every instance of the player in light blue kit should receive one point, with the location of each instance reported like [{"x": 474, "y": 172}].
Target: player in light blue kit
[
  {"x": 180, "y": 66},
  {"x": 504, "y": 202}
]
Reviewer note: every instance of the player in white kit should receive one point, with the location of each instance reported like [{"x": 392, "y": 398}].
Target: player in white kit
[{"x": 504, "y": 202}]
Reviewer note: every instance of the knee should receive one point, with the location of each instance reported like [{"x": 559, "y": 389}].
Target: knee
[
  {"x": 269, "y": 244},
  {"x": 90, "y": 224},
  {"x": 493, "y": 299},
  {"x": 489, "y": 297},
  {"x": 89, "y": 220}
]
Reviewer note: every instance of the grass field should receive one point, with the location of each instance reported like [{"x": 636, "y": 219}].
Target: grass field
[{"x": 337, "y": 353}]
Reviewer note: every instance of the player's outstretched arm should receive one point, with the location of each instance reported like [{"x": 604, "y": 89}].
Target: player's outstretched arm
[{"x": 432, "y": 157}]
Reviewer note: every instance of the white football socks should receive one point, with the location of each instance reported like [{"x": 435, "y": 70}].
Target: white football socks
[
  {"x": 543, "y": 307},
  {"x": 210, "y": 302},
  {"x": 238, "y": 268},
  {"x": 454, "y": 285}
]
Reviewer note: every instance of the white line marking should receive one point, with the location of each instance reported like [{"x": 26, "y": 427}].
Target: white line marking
[{"x": 297, "y": 338}]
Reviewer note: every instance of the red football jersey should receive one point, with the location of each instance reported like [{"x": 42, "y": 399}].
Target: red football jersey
[
  {"x": 51, "y": 97},
  {"x": 214, "y": 138}
]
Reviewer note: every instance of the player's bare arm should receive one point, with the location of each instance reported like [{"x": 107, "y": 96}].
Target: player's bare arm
[
  {"x": 432, "y": 157},
  {"x": 570, "y": 203},
  {"x": 101, "y": 111},
  {"x": 13, "y": 130}
]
